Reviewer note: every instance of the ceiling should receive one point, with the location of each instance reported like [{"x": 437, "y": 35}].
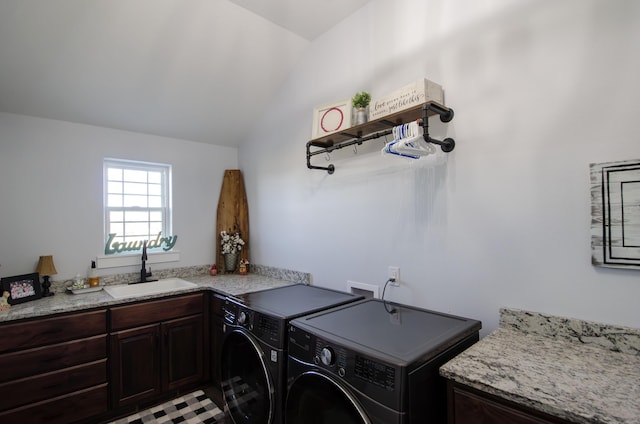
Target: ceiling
[{"x": 187, "y": 69}]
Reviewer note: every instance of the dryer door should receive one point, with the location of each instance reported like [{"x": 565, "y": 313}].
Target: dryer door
[
  {"x": 316, "y": 399},
  {"x": 246, "y": 383}
]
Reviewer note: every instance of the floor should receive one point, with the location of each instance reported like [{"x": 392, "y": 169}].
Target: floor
[{"x": 194, "y": 408}]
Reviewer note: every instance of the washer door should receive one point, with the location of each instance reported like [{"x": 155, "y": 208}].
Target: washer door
[
  {"x": 247, "y": 386},
  {"x": 316, "y": 399}
]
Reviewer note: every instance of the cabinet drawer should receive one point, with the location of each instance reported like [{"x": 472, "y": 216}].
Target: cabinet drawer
[
  {"x": 56, "y": 383},
  {"x": 61, "y": 410},
  {"x": 39, "y": 360},
  {"x": 155, "y": 311},
  {"x": 43, "y": 331}
]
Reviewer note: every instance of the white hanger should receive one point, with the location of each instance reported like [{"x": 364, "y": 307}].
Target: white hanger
[{"x": 409, "y": 142}]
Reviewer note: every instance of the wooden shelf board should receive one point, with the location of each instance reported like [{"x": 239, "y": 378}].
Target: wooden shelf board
[{"x": 379, "y": 124}]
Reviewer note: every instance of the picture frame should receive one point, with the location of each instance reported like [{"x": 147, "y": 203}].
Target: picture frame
[
  {"x": 22, "y": 288},
  {"x": 615, "y": 214},
  {"x": 330, "y": 118}
]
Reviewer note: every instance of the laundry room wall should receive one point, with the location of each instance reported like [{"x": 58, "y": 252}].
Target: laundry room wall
[
  {"x": 51, "y": 192},
  {"x": 540, "y": 90}
]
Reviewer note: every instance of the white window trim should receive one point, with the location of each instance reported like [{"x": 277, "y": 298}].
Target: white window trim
[
  {"x": 130, "y": 259},
  {"x": 121, "y": 260}
]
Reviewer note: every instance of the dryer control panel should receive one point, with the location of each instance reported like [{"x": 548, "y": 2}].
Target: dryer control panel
[
  {"x": 375, "y": 372},
  {"x": 357, "y": 369}
]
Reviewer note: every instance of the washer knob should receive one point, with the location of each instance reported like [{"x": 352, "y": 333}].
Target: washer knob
[
  {"x": 242, "y": 318},
  {"x": 327, "y": 356}
]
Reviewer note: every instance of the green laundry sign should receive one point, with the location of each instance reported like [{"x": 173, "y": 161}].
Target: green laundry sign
[{"x": 112, "y": 246}]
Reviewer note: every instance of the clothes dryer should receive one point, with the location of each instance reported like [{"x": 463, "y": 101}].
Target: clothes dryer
[{"x": 372, "y": 362}]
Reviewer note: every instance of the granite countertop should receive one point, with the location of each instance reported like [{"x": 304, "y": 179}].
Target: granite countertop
[
  {"x": 580, "y": 371},
  {"x": 227, "y": 284}
]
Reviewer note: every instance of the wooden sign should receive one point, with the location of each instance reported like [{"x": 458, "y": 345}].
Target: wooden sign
[{"x": 416, "y": 93}]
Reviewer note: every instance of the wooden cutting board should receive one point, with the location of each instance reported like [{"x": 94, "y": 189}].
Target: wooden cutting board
[{"x": 233, "y": 213}]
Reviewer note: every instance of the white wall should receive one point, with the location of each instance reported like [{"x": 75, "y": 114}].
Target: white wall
[
  {"x": 51, "y": 192},
  {"x": 540, "y": 89}
]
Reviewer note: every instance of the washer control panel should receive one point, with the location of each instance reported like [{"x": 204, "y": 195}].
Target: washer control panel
[
  {"x": 238, "y": 315},
  {"x": 263, "y": 326}
]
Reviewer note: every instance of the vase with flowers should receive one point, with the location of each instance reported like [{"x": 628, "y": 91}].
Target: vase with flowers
[{"x": 231, "y": 245}]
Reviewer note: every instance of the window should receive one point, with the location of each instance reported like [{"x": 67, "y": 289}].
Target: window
[{"x": 137, "y": 199}]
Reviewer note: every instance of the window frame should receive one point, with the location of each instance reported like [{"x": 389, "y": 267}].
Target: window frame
[{"x": 166, "y": 199}]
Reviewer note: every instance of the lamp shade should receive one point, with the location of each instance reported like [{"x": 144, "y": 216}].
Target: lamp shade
[{"x": 46, "y": 266}]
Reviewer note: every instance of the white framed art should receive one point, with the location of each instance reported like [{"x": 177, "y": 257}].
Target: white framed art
[
  {"x": 615, "y": 214},
  {"x": 330, "y": 118}
]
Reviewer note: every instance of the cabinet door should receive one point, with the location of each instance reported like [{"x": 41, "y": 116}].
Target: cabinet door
[
  {"x": 183, "y": 352},
  {"x": 135, "y": 364},
  {"x": 471, "y": 408}
]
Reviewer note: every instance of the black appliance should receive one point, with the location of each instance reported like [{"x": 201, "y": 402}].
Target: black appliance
[
  {"x": 372, "y": 362},
  {"x": 254, "y": 347}
]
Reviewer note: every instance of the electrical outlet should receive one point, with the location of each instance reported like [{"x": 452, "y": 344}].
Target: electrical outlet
[{"x": 394, "y": 272}]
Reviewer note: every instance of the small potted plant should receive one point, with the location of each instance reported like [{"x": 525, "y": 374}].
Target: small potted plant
[{"x": 360, "y": 102}]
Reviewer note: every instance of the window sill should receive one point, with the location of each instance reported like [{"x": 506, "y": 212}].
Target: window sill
[{"x": 116, "y": 261}]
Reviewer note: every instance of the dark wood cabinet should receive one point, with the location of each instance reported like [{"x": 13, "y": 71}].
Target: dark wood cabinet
[
  {"x": 102, "y": 364},
  {"x": 135, "y": 364},
  {"x": 183, "y": 352},
  {"x": 470, "y": 406},
  {"x": 217, "y": 332},
  {"x": 156, "y": 347},
  {"x": 54, "y": 369}
]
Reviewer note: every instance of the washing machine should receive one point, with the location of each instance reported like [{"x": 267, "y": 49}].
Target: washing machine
[
  {"x": 372, "y": 362},
  {"x": 254, "y": 347}
]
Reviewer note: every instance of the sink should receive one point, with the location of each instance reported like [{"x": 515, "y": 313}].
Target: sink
[{"x": 143, "y": 289}]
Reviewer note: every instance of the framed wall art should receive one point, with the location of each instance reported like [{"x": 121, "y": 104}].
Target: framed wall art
[
  {"x": 331, "y": 118},
  {"x": 615, "y": 214},
  {"x": 22, "y": 288}
]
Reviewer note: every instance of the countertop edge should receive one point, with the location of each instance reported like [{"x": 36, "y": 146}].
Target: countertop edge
[{"x": 228, "y": 285}]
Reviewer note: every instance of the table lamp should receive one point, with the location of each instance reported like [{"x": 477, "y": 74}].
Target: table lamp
[{"x": 46, "y": 268}]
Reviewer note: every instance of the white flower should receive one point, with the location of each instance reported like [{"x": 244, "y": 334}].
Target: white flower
[{"x": 231, "y": 243}]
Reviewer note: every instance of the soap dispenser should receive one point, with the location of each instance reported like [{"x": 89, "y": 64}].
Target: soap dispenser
[{"x": 94, "y": 280}]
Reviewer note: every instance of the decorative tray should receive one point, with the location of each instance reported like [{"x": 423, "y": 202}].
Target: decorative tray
[{"x": 84, "y": 290}]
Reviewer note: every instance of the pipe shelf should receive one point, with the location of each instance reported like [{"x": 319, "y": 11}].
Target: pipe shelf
[{"x": 380, "y": 128}]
